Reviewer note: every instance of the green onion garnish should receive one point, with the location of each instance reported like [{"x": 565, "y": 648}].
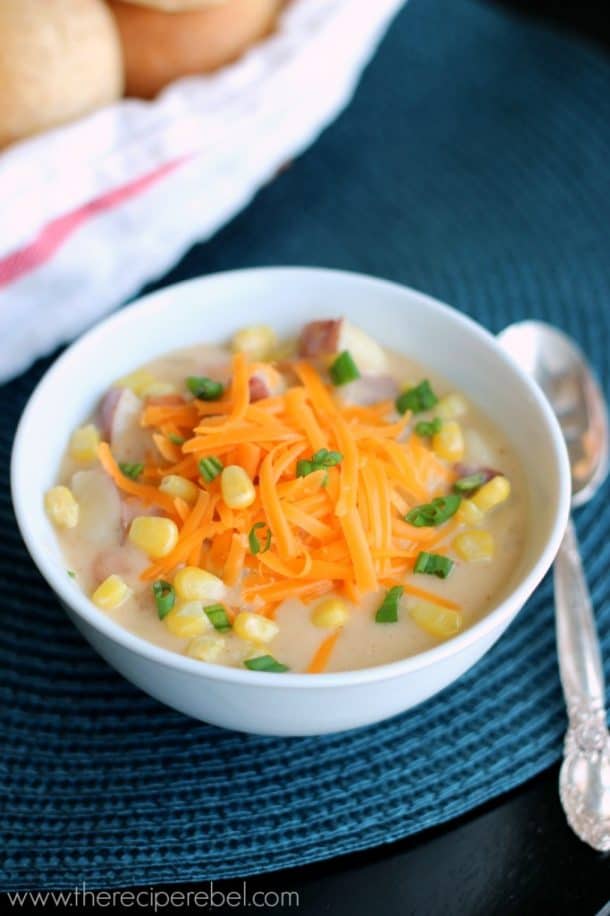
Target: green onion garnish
[
  {"x": 206, "y": 389},
  {"x": 318, "y": 462},
  {"x": 417, "y": 399},
  {"x": 470, "y": 483},
  {"x": 344, "y": 369},
  {"x": 255, "y": 544},
  {"x": 218, "y": 617},
  {"x": 71, "y": 573},
  {"x": 210, "y": 468},
  {"x": 387, "y": 611},
  {"x": 435, "y": 513},
  {"x": 177, "y": 440},
  {"x": 304, "y": 468},
  {"x": 426, "y": 429},
  {"x": 265, "y": 663},
  {"x": 165, "y": 597},
  {"x": 131, "y": 470},
  {"x": 433, "y": 564}
]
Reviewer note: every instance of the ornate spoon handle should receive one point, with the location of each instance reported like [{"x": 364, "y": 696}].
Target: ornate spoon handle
[{"x": 585, "y": 774}]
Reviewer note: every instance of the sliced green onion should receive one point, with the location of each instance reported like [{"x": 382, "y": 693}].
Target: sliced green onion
[
  {"x": 165, "y": 597},
  {"x": 387, "y": 611},
  {"x": 344, "y": 369},
  {"x": 265, "y": 663},
  {"x": 177, "y": 440},
  {"x": 427, "y": 429},
  {"x": 304, "y": 467},
  {"x": 255, "y": 544},
  {"x": 131, "y": 470},
  {"x": 71, "y": 573},
  {"x": 210, "y": 468},
  {"x": 470, "y": 483},
  {"x": 206, "y": 389},
  {"x": 218, "y": 617},
  {"x": 417, "y": 399},
  {"x": 433, "y": 564},
  {"x": 435, "y": 513},
  {"x": 326, "y": 459},
  {"x": 318, "y": 462}
]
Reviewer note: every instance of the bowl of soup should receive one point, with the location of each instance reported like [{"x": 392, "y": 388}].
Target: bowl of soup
[{"x": 290, "y": 501}]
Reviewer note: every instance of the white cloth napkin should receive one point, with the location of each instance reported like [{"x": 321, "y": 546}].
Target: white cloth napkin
[{"x": 93, "y": 210}]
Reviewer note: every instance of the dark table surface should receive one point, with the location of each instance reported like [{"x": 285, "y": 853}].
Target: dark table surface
[{"x": 514, "y": 855}]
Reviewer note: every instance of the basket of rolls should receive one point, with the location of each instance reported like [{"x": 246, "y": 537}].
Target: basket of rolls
[
  {"x": 64, "y": 58},
  {"x": 110, "y": 108}
]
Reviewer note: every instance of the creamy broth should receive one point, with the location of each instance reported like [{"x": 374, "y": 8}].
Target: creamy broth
[{"x": 98, "y": 546}]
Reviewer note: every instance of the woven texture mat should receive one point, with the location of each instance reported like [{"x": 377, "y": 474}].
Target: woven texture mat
[{"x": 473, "y": 164}]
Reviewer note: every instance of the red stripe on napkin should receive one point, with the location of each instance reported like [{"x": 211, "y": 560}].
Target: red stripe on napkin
[{"x": 55, "y": 233}]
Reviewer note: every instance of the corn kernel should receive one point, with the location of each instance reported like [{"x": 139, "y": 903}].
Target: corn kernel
[
  {"x": 179, "y": 488},
  {"x": 154, "y": 535},
  {"x": 451, "y": 407},
  {"x": 492, "y": 493},
  {"x": 206, "y": 648},
  {"x": 194, "y": 584},
  {"x": 448, "y": 442},
  {"x": 469, "y": 513},
  {"x": 474, "y": 546},
  {"x": 254, "y": 627},
  {"x": 236, "y": 487},
  {"x": 438, "y": 621},
  {"x": 112, "y": 592},
  {"x": 137, "y": 381},
  {"x": 330, "y": 614},
  {"x": 84, "y": 443},
  {"x": 256, "y": 342},
  {"x": 158, "y": 389},
  {"x": 61, "y": 507},
  {"x": 187, "y": 620}
]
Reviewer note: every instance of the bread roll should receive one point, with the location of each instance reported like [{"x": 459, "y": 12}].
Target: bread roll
[
  {"x": 159, "y": 47},
  {"x": 59, "y": 59},
  {"x": 176, "y": 6}
]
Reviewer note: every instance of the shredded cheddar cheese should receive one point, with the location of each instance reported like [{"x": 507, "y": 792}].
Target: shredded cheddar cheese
[{"x": 335, "y": 529}]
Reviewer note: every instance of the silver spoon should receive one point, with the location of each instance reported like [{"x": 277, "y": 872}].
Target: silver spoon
[{"x": 562, "y": 372}]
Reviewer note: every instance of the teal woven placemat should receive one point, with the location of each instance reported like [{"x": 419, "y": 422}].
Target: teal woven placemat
[{"x": 473, "y": 164}]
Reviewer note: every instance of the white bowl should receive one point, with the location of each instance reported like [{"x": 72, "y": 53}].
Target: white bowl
[{"x": 210, "y": 309}]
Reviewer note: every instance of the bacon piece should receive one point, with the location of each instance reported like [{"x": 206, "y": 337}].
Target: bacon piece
[
  {"x": 320, "y": 337},
  {"x": 259, "y": 388},
  {"x": 466, "y": 470}
]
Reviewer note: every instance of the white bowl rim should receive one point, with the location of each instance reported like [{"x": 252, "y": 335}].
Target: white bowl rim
[{"x": 69, "y": 592}]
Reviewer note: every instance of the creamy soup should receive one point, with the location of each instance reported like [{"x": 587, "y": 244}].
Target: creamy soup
[{"x": 307, "y": 506}]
